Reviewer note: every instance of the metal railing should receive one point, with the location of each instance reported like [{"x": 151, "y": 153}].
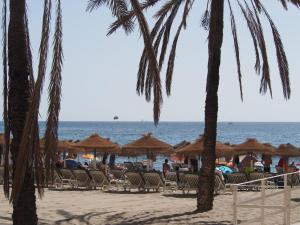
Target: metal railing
[{"x": 265, "y": 184}]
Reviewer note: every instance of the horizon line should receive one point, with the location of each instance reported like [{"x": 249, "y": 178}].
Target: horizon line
[{"x": 172, "y": 121}]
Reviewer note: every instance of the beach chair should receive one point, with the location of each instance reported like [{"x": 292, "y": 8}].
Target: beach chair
[
  {"x": 153, "y": 181},
  {"x": 171, "y": 181},
  {"x": 1, "y": 175},
  {"x": 117, "y": 179},
  {"x": 236, "y": 178},
  {"x": 133, "y": 181},
  {"x": 182, "y": 181},
  {"x": 256, "y": 176},
  {"x": 118, "y": 174},
  {"x": 220, "y": 186},
  {"x": 191, "y": 182},
  {"x": 66, "y": 178},
  {"x": 138, "y": 165},
  {"x": 56, "y": 182},
  {"x": 293, "y": 180},
  {"x": 99, "y": 179},
  {"x": 82, "y": 179},
  {"x": 129, "y": 165}
]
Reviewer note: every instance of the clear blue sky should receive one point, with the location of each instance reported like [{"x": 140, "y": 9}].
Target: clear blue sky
[{"x": 99, "y": 74}]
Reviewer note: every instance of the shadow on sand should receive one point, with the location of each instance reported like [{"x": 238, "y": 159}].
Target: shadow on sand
[{"x": 121, "y": 218}]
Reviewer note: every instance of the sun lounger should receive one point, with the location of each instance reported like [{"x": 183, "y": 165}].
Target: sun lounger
[
  {"x": 99, "y": 179},
  {"x": 294, "y": 180},
  {"x": 133, "y": 181},
  {"x": 82, "y": 179},
  {"x": 118, "y": 174},
  {"x": 220, "y": 186},
  {"x": 191, "y": 182},
  {"x": 153, "y": 181},
  {"x": 129, "y": 165},
  {"x": 66, "y": 178},
  {"x": 171, "y": 181},
  {"x": 55, "y": 182},
  {"x": 236, "y": 178},
  {"x": 255, "y": 176},
  {"x": 138, "y": 165}
]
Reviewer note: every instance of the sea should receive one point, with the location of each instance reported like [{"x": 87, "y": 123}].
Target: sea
[{"x": 275, "y": 133}]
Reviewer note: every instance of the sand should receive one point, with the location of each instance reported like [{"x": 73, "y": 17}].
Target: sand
[{"x": 98, "y": 207}]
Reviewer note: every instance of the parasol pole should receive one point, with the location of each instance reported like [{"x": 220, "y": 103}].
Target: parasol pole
[{"x": 199, "y": 162}]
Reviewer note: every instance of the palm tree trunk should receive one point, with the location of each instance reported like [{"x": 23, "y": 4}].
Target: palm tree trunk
[
  {"x": 24, "y": 209},
  {"x": 206, "y": 177}
]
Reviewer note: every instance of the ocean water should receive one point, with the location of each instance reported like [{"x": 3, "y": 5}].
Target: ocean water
[{"x": 175, "y": 132}]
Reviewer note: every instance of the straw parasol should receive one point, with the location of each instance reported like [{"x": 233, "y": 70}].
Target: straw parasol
[
  {"x": 147, "y": 144},
  {"x": 251, "y": 145},
  {"x": 197, "y": 148},
  {"x": 63, "y": 145},
  {"x": 287, "y": 150},
  {"x": 181, "y": 144},
  {"x": 96, "y": 143}
]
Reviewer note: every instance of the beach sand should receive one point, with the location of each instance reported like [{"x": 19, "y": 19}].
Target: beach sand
[{"x": 102, "y": 208}]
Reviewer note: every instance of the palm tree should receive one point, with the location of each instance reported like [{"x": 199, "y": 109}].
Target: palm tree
[
  {"x": 21, "y": 105},
  {"x": 213, "y": 21}
]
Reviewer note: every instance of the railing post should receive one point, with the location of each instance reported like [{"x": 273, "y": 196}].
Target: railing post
[
  {"x": 285, "y": 180},
  {"x": 288, "y": 209},
  {"x": 262, "y": 209},
  {"x": 235, "y": 222}
]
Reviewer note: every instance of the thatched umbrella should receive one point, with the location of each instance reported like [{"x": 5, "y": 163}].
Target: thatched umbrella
[
  {"x": 62, "y": 146},
  {"x": 147, "y": 145},
  {"x": 96, "y": 144},
  {"x": 287, "y": 150},
  {"x": 181, "y": 144},
  {"x": 197, "y": 148},
  {"x": 251, "y": 145}
]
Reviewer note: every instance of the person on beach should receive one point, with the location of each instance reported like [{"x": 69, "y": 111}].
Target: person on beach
[
  {"x": 267, "y": 161},
  {"x": 166, "y": 167},
  {"x": 247, "y": 163},
  {"x": 235, "y": 163},
  {"x": 283, "y": 164}
]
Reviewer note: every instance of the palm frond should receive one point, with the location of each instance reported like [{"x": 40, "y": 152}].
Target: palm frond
[
  {"x": 166, "y": 8},
  {"x": 170, "y": 68},
  {"x": 265, "y": 79},
  {"x": 281, "y": 56},
  {"x": 125, "y": 20},
  {"x": 252, "y": 30},
  {"x": 166, "y": 36},
  {"x": 6, "y": 146},
  {"x": 294, "y": 2},
  {"x": 51, "y": 134},
  {"x": 119, "y": 9},
  {"x": 143, "y": 61},
  {"x": 28, "y": 142},
  {"x": 206, "y": 17},
  {"x": 151, "y": 58},
  {"x": 236, "y": 47},
  {"x": 31, "y": 76},
  {"x": 253, "y": 19}
]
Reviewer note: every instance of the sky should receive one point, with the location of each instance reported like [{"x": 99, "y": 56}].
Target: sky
[{"x": 99, "y": 73}]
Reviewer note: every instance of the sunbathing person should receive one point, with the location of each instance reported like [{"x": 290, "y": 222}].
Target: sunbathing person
[{"x": 166, "y": 167}]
